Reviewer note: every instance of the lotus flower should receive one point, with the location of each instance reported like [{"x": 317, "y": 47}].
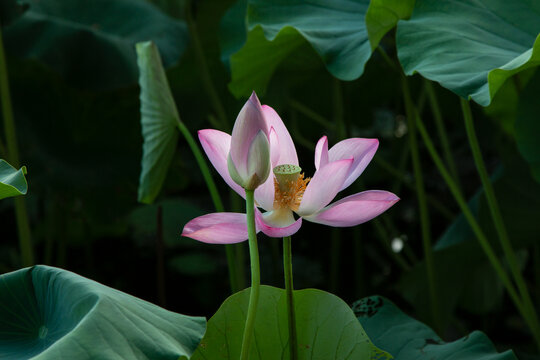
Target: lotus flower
[{"x": 287, "y": 191}]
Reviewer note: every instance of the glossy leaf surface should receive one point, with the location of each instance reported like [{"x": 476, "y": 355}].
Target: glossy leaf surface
[
  {"x": 49, "y": 313},
  {"x": 470, "y": 47},
  {"x": 409, "y": 339},
  {"x": 327, "y": 328},
  {"x": 12, "y": 181},
  {"x": 159, "y": 119}
]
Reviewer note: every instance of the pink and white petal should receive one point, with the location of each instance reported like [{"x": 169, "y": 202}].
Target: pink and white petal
[
  {"x": 321, "y": 152},
  {"x": 287, "y": 151},
  {"x": 218, "y": 228},
  {"x": 264, "y": 194},
  {"x": 216, "y": 145},
  {"x": 361, "y": 150},
  {"x": 274, "y": 147},
  {"x": 355, "y": 209},
  {"x": 275, "y": 231},
  {"x": 323, "y": 187},
  {"x": 248, "y": 123}
]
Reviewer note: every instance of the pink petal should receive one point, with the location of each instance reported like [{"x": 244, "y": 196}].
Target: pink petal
[
  {"x": 361, "y": 150},
  {"x": 264, "y": 194},
  {"x": 321, "y": 152},
  {"x": 249, "y": 122},
  {"x": 324, "y": 186},
  {"x": 274, "y": 231},
  {"x": 216, "y": 145},
  {"x": 218, "y": 228},
  {"x": 287, "y": 151},
  {"x": 274, "y": 147},
  {"x": 355, "y": 209}
]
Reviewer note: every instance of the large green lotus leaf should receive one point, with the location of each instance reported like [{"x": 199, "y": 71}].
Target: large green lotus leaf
[
  {"x": 409, "y": 339},
  {"x": 49, "y": 313},
  {"x": 334, "y": 29},
  {"x": 12, "y": 181},
  {"x": 159, "y": 119},
  {"x": 383, "y": 15},
  {"x": 326, "y": 326},
  {"x": 470, "y": 47},
  {"x": 233, "y": 30},
  {"x": 91, "y": 43},
  {"x": 527, "y": 125}
]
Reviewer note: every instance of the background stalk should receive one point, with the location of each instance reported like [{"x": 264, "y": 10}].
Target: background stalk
[
  {"x": 498, "y": 220},
  {"x": 422, "y": 204},
  {"x": 216, "y": 199},
  {"x": 255, "y": 275},
  {"x": 484, "y": 243},
  {"x": 287, "y": 269},
  {"x": 12, "y": 149}
]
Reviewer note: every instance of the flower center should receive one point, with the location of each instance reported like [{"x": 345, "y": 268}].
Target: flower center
[{"x": 289, "y": 185}]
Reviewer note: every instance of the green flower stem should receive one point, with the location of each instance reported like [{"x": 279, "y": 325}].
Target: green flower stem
[
  {"x": 216, "y": 199},
  {"x": 287, "y": 269},
  {"x": 498, "y": 221},
  {"x": 203, "y": 67},
  {"x": 255, "y": 275},
  {"x": 422, "y": 204},
  {"x": 484, "y": 243},
  {"x": 310, "y": 114},
  {"x": 441, "y": 130},
  {"x": 21, "y": 214}
]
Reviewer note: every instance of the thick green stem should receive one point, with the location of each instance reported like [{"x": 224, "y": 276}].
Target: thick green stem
[
  {"x": 12, "y": 149},
  {"x": 484, "y": 243},
  {"x": 287, "y": 269},
  {"x": 422, "y": 204},
  {"x": 216, "y": 199},
  {"x": 441, "y": 130},
  {"x": 498, "y": 221},
  {"x": 255, "y": 275},
  {"x": 203, "y": 68}
]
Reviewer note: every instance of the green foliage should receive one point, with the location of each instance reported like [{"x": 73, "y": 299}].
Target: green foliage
[
  {"x": 334, "y": 29},
  {"x": 12, "y": 181},
  {"x": 470, "y": 48},
  {"x": 409, "y": 339},
  {"x": 527, "y": 125},
  {"x": 383, "y": 15},
  {"x": 159, "y": 119},
  {"x": 327, "y": 328},
  {"x": 91, "y": 43},
  {"x": 49, "y": 313},
  {"x": 10, "y": 10}
]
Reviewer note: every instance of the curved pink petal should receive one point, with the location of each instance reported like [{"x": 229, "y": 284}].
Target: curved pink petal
[
  {"x": 361, "y": 150},
  {"x": 323, "y": 187},
  {"x": 275, "y": 231},
  {"x": 249, "y": 122},
  {"x": 216, "y": 145},
  {"x": 355, "y": 209},
  {"x": 321, "y": 152},
  {"x": 264, "y": 194},
  {"x": 274, "y": 147},
  {"x": 218, "y": 228},
  {"x": 287, "y": 151}
]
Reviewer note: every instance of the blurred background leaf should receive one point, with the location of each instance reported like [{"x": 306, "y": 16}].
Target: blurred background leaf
[{"x": 12, "y": 181}]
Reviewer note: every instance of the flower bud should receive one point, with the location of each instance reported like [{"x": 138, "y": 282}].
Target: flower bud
[{"x": 249, "y": 158}]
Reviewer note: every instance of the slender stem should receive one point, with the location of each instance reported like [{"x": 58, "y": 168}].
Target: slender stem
[
  {"x": 309, "y": 113},
  {"x": 203, "y": 68},
  {"x": 21, "y": 214},
  {"x": 335, "y": 249},
  {"x": 484, "y": 243},
  {"x": 216, "y": 199},
  {"x": 422, "y": 204},
  {"x": 3, "y": 151},
  {"x": 498, "y": 221},
  {"x": 387, "y": 59},
  {"x": 287, "y": 268},
  {"x": 441, "y": 130},
  {"x": 255, "y": 275},
  {"x": 160, "y": 257}
]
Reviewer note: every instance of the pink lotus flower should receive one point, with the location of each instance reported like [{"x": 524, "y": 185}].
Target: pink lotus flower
[{"x": 288, "y": 192}]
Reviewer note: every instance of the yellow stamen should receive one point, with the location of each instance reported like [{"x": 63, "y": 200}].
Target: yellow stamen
[{"x": 289, "y": 193}]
